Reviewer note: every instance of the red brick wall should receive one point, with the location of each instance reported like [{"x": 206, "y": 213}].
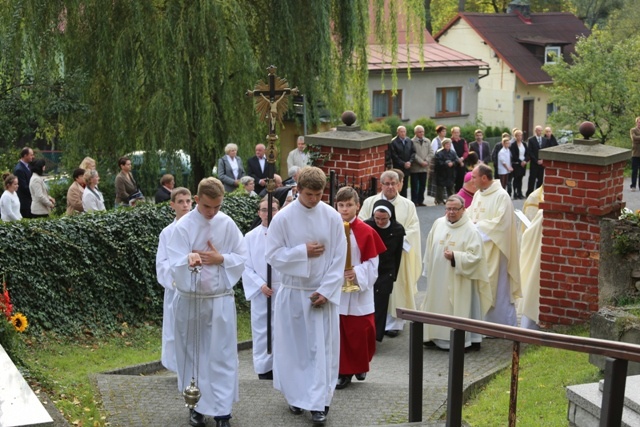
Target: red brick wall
[
  {"x": 361, "y": 164},
  {"x": 576, "y": 197}
]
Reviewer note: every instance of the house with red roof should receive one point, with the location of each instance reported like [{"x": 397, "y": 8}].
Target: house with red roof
[
  {"x": 443, "y": 86},
  {"x": 515, "y": 45}
]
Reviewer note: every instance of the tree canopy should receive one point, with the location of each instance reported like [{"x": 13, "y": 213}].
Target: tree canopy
[
  {"x": 171, "y": 74},
  {"x": 599, "y": 86}
]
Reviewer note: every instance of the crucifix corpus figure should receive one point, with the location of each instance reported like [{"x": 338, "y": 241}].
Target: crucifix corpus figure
[{"x": 271, "y": 103}]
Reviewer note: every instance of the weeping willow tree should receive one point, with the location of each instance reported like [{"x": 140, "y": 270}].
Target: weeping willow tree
[{"x": 171, "y": 74}]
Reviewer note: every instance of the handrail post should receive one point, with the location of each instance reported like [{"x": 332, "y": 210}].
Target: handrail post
[
  {"x": 456, "y": 377},
  {"x": 513, "y": 392},
  {"x": 415, "y": 372},
  {"x": 615, "y": 379}
]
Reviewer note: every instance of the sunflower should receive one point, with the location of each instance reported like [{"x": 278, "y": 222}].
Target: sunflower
[{"x": 19, "y": 321}]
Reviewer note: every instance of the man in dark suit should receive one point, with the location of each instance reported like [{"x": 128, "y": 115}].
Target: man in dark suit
[
  {"x": 549, "y": 140},
  {"x": 403, "y": 154},
  {"x": 257, "y": 168},
  {"x": 536, "y": 169},
  {"x": 481, "y": 148},
  {"x": 23, "y": 173},
  {"x": 167, "y": 182}
]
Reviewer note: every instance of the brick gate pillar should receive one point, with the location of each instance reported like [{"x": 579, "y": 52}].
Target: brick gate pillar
[
  {"x": 583, "y": 183},
  {"x": 352, "y": 153}
]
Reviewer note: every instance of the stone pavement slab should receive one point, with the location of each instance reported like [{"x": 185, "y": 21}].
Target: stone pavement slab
[{"x": 382, "y": 399}]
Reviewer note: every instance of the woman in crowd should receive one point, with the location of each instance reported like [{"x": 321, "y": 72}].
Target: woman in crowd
[
  {"x": 41, "y": 202},
  {"x": 519, "y": 160},
  {"x": 92, "y": 199},
  {"x": 249, "y": 185},
  {"x": 9, "y": 202},
  {"x": 446, "y": 162},
  {"x": 230, "y": 168},
  {"x": 74, "y": 194},
  {"x": 504, "y": 163},
  {"x": 383, "y": 221},
  {"x": 126, "y": 187},
  {"x": 87, "y": 164}
]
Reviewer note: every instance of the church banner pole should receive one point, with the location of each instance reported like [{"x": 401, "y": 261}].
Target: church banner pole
[{"x": 271, "y": 103}]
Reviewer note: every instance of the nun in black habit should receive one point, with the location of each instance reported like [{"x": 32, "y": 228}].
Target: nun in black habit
[{"x": 383, "y": 220}]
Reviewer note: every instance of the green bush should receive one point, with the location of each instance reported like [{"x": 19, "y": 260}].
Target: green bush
[
  {"x": 381, "y": 127},
  {"x": 92, "y": 272},
  {"x": 428, "y": 125},
  {"x": 393, "y": 122}
]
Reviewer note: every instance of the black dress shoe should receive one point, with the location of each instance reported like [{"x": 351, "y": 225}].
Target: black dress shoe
[
  {"x": 429, "y": 344},
  {"x": 196, "y": 419},
  {"x": 361, "y": 377},
  {"x": 318, "y": 418},
  {"x": 295, "y": 410},
  {"x": 392, "y": 333},
  {"x": 223, "y": 423},
  {"x": 266, "y": 376},
  {"x": 343, "y": 381}
]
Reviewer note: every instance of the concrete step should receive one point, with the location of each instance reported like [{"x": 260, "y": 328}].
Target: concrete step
[
  {"x": 19, "y": 405},
  {"x": 585, "y": 401}
]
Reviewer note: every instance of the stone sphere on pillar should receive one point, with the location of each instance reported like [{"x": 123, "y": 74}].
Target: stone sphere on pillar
[
  {"x": 587, "y": 129},
  {"x": 348, "y": 117}
]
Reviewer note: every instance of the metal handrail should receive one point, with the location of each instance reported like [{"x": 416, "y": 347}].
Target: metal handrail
[{"x": 617, "y": 357}]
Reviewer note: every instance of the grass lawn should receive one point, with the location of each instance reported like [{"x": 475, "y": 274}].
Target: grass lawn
[
  {"x": 65, "y": 367},
  {"x": 544, "y": 374}
]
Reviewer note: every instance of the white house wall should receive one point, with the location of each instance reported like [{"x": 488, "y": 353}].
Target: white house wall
[
  {"x": 419, "y": 93},
  {"x": 540, "y": 98},
  {"x": 496, "y": 99}
]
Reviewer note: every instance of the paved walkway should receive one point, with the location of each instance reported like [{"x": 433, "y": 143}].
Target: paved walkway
[{"x": 154, "y": 400}]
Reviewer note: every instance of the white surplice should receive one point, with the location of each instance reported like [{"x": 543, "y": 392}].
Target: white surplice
[
  {"x": 218, "y": 340},
  {"x": 163, "y": 272},
  {"x": 492, "y": 212},
  {"x": 360, "y": 303},
  {"x": 253, "y": 277},
  {"x": 462, "y": 290},
  {"x": 307, "y": 339}
]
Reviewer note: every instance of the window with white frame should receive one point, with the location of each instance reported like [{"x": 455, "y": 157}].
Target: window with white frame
[
  {"x": 448, "y": 101},
  {"x": 551, "y": 54}
]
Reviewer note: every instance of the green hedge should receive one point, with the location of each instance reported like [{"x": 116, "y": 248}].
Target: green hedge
[{"x": 92, "y": 272}]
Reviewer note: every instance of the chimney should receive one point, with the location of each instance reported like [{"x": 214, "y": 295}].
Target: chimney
[{"x": 520, "y": 7}]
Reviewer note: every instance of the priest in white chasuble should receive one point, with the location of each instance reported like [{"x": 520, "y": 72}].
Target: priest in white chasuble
[
  {"x": 456, "y": 272},
  {"x": 406, "y": 285},
  {"x": 492, "y": 212},
  {"x": 205, "y": 303},
  {"x": 307, "y": 245}
]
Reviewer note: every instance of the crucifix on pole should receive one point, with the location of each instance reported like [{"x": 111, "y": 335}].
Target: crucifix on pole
[{"x": 271, "y": 104}]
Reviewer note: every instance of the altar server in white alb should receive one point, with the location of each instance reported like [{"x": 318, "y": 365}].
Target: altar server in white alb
[
  {"x": 457, "y": 280},
  {"x": 492, "y": 212},
  {"x": 307, "y": 245},
  {"x": 180, "y": 202},
  {"x": 357, "y": 308},
  {"x": 254, "y": 282},
  {"x": 207, "y": 237}
]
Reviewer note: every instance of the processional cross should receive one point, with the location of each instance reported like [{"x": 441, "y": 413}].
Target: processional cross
[{"x": 271, "y": 104}]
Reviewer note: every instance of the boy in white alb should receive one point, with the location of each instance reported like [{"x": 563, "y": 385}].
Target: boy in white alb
[
  {"x": 254, "y": 281},
  {"x": 180, "y": 202}
]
